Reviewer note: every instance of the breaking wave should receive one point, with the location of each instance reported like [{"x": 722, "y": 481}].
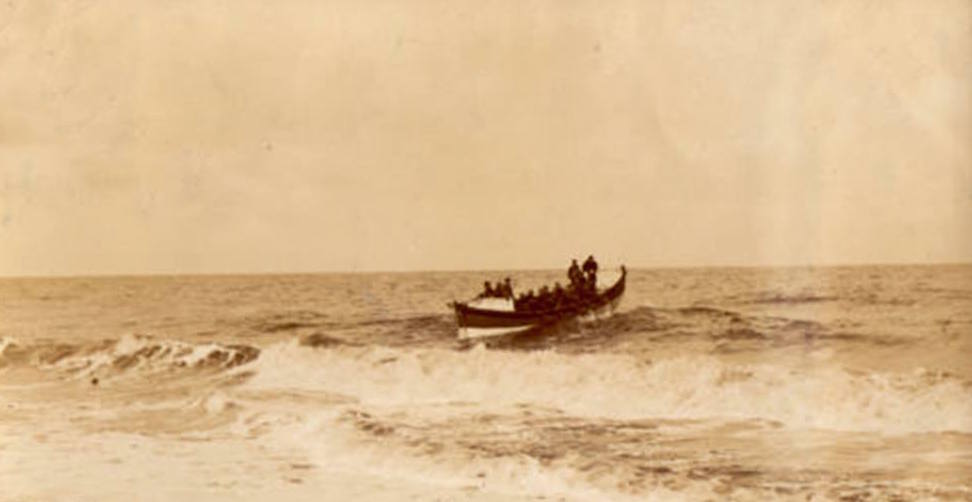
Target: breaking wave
[
  {"x": 814, "y": 394},
  {"x": 623, "y": 387},
  {"x": 129, "y": 354}
]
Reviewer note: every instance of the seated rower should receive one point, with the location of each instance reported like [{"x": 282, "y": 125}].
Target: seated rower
[
  {"x": 543, "y": 299},
  {"x": 559, "y": 297},
  {"x": 487, "y": 290},
  {"x": 526, "y": 301}
]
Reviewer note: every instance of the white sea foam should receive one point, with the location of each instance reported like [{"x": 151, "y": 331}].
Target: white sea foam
[
  {"x": 326, "y": 442},
  {"x": 351, "y": 419},
  {"x": 622, "y": 387}
]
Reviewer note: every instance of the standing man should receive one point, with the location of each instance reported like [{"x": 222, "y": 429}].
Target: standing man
[
  {"x": 590, "y": 269},
  {"x": 575, "y": 275}
]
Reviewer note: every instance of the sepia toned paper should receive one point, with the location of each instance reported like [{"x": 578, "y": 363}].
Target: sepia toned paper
[{"x": 236, "y": 238}]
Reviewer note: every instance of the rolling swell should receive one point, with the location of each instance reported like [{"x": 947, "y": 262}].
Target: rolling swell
[
  {"x": 317, "y": 328},
  {"x": 778, "y": 298},
  {"x": 421, "y": 330},
  {"x": 723, "y": 330},
  {"x": 726, "y": 330},
  {"x": 277, "y": 322},
  {"x": 403, "y": 331}
]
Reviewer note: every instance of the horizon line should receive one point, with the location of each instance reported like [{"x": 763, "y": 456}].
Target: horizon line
[{"x": 97, "y": 275}]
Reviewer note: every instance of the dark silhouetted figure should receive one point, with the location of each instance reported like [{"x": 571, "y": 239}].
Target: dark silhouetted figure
[
  {"x": 590, "y": 270},
  {"x": 559, "y": 296},
  {"x": 487, "y": 290},
  {"x": 543, "y": 298},
  {"x": 590, "y": 265},
  {"x": 575, "y": 275},
  {"x": 529, "y": 300},
  {"x": 507, "y": 288},
  {"x": 524, "y": 302}
]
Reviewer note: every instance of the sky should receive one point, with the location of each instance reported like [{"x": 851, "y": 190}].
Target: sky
[{"x": 237, "y": 136}]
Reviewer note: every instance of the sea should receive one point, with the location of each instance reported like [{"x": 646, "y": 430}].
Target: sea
[{"x": 830, "y": 383}]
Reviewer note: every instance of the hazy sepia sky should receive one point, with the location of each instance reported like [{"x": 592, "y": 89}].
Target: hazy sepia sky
[{"x": 244, "y": 135}]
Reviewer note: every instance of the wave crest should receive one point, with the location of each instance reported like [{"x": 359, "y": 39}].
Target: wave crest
[
  {"x": 620, "y": 386},
  {"x": 131, "y": 353}
]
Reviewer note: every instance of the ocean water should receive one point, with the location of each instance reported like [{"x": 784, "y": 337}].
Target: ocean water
[{"x": 707, "y": 384}]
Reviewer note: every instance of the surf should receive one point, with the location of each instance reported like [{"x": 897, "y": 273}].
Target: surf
[{"x": 620, "y": 386}]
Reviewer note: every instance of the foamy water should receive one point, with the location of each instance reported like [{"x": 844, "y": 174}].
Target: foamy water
[{"x": 750, "y": 384}]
